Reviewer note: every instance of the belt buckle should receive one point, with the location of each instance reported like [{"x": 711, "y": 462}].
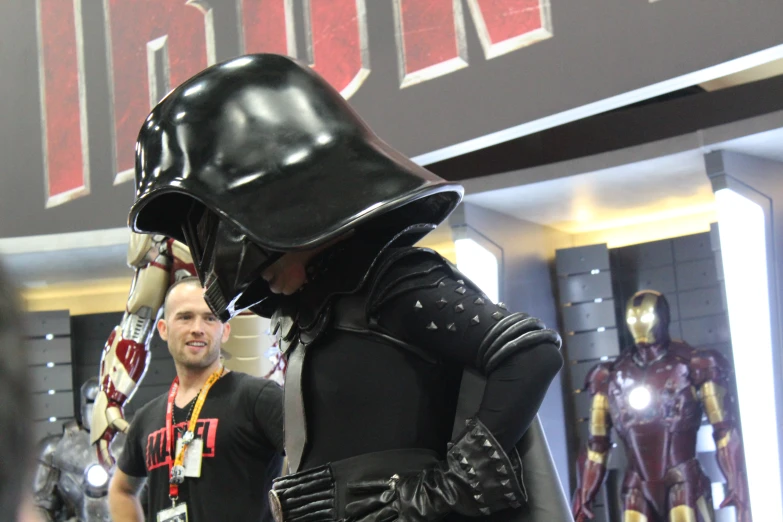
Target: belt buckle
[{"x": 275, "y": 506}]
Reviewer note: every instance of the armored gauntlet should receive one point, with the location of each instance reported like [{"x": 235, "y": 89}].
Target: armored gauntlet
[{"x": 477, "y": 478}]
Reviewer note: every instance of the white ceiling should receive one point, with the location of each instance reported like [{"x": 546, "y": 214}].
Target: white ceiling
[
  {"x": 41, "y": 269},
  {"x": 644, "y": 191},
  {"x": 651, "y": 182},
  {"x": 767, "y": 144},
  {"x": 760, "y": 72}
]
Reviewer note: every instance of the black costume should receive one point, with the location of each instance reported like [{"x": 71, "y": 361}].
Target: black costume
[{"x": 259, "y": 156}]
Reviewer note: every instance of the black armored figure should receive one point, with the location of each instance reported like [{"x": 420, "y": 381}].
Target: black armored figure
[{"x": 293, "y": 208}]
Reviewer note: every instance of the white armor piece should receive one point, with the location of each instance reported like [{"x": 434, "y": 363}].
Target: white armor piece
[
  {"x": 158, "y": 262},
  {"x": 247, "y": 347}
]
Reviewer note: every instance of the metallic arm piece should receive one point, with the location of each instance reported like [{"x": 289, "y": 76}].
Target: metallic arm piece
[
  {"x": 731, "y": 458},
  {"x": 597, "y": 457},
  {"x": 125, "y": 355},
  {"x": 45, "y": 494},
  {"x": 592, "y": 462},
  {"x": 713, "y": 396},
  {"x": 599, "y": 415},
  {"x": 712, "y": 373}
]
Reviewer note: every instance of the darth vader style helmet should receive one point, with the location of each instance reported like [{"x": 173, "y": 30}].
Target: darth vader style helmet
[{"x": 259, "y": 156}]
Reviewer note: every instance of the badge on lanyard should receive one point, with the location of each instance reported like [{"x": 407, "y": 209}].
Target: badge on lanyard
[
  {"x": 177, "y": 513},
  {"x": 192, "y": 462},
  {"x": 187, "y": 451}
]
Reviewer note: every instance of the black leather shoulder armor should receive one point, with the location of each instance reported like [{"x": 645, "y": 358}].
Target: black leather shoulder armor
[
  {"x": 421, "y": 298},
  {"x": 406, "y": 269}
]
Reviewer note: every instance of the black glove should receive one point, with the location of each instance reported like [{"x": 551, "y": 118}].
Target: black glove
[{"x": 476, "y": 479}]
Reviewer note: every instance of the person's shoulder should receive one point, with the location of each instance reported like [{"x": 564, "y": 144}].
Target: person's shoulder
[
  {"x": 153, "y": 407},
  {"x": 146, "y": 419},
  {"x": 251, "y": 383}
]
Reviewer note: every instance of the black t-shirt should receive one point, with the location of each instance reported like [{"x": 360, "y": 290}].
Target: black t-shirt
[{"x": 241, "y": 424}]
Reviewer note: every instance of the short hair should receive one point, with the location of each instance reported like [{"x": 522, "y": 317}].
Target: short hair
[
  {"x": 189, "y": 280},
  {"x": 15, "y": 402}
]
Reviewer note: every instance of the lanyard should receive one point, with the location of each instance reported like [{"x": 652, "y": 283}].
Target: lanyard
[{"x": 176, "y": 469}]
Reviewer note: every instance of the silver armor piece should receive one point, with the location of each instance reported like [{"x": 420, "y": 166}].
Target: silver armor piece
[
  {"x": 45, "y": 478},
  {"x": 89, "y": 392},
  {"x": 181, "y": 274},
  {"x": 137, "y": 327},
  {"x": 60, "y": 485}
]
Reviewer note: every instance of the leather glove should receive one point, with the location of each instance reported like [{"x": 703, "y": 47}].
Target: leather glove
[{"x": 477, "y": 478}]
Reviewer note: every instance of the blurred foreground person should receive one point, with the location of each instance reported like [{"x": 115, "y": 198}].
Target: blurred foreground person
[{"x": 15, "y": 426}]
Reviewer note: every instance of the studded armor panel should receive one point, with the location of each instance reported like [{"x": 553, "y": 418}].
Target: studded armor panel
[{"x": 436, "y": 306}]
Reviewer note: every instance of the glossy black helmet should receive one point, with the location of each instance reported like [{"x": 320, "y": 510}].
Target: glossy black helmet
[{"x": 265, "y": 148}]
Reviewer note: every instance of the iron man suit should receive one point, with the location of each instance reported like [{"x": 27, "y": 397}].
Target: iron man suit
[
  {"x": 158, "y": 262},
  {"x": 654, "y": 395},
  {"x": 70, "y": 484}
]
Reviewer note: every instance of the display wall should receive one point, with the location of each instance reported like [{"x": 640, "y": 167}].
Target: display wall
[{"x": 55, "y": 393}]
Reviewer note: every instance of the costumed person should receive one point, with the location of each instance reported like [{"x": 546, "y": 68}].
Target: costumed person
[
  {"x": 218, "y": 434},
  {"x": 70, "y": 483},
  {"x": 293, "y": 208},
  {"x": 16, "y": 503},
  {"x": 158, "y": 262},
  {"x": 654, "y": 396}
]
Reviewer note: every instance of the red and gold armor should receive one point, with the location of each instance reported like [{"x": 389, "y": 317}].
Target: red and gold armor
[
  {"x": 158, "y": 263},
  {"x": 654, "y": 396}
]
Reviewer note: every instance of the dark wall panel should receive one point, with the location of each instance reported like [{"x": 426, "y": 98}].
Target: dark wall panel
[
  {"x": 50, "y": 371},
  {"x": 592, "y": 345}
]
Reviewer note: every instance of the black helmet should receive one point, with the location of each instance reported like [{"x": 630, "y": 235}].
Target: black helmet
[{"x": 258, "y": 156}]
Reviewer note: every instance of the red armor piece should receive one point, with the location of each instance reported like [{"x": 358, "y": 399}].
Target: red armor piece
[{"x": 654, "y": 395}]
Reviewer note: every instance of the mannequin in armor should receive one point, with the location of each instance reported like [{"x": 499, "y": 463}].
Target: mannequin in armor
[
  {"x": 292, "y": 207},
  {"x": 70, "y": 483},
  {"x": 158, "y": 262},
  {"x": 654, "y": 396}
]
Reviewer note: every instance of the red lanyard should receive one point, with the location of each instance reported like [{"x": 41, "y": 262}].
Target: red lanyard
[{"x": 175, "y": 461}]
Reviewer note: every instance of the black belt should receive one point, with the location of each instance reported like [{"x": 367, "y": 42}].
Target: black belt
[{"x": 321, "y": 494}]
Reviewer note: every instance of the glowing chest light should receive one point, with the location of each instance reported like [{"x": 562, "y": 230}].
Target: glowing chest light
[
  {"x": 640, "y": 398},
  {"x": 96, "y": 476}
]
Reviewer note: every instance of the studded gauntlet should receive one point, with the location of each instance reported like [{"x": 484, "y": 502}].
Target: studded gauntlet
[{"x": 477, "y": 478}]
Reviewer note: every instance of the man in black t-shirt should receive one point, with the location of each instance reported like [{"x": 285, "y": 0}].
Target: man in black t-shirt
[{"x": 238, "y": 430}]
